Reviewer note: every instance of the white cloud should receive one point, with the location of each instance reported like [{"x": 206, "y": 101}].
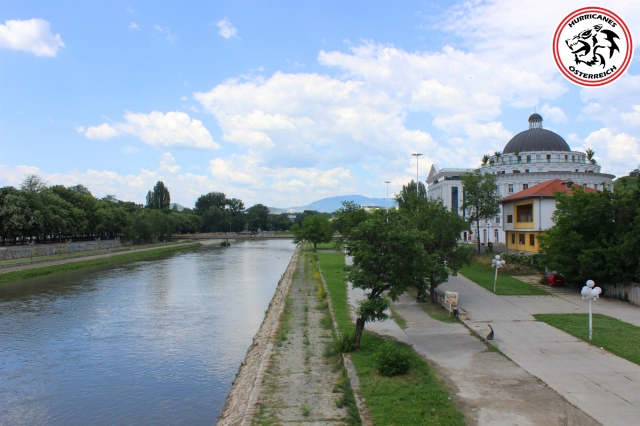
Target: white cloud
[
  {"x": 134, "y": 26},
  {"x": 617, "y": 153},
  {"x": 183, "y": 98},
  {"x": 129, "y": 149},
  {"x": 555, "y": 114},
  {"x": 158, "y": 129},
  {"x": 226, "y": 28},
  {"x": 166, "y": 33},
  {"x": 167, "y": 163},
  {"x": 33, "y": 35},
  {"x": 103, "y": 131}
]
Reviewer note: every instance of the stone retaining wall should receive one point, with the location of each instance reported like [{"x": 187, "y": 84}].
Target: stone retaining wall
[
  {"x": 240, "y": 406},
  {"x": 27, "y": 251}
]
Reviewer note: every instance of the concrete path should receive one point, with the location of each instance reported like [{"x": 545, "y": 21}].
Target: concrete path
[
  {"x": 490, "y": 389},
  {"x": 601, "y": 384}
]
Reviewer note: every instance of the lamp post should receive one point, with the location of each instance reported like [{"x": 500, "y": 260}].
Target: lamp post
[
  {"x": 496, "y": 263},
  {"x": 417, "y": 155},
  {"x": 387, "y": 199},
  {"x": 590, "y": 293}
]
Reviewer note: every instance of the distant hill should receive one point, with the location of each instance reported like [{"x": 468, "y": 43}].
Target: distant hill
[{"x": 332, "y": 204}]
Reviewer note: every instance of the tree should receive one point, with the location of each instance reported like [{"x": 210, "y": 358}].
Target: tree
[
  {"x": 480, "y": 198},
  {"x": 388, "y": 257},
  {"x": 596, "y": 235},
  {"x": 348, "y": 217},
  {"x": 408, "y": 199},
  {"x": 591, "y": 154},
  {"x": 315, "y": 229},
  {"x": 159, "y": 198},
  {"x": 258, "y": 217},
  {"x": 217, "y": 199}
]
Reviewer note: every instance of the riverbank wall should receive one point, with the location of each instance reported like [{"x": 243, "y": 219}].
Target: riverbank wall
[
  {"x": 240, "y": 405},
  {"x": 28, "y": 251}
]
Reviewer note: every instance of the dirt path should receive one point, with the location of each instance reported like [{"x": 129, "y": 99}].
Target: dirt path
[{"x": 300, "y": 380}]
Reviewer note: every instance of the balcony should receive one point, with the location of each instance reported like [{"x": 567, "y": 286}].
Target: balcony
[{"x": 504, "y": 162}]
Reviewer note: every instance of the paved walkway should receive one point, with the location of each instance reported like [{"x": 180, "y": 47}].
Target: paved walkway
[
  {"x": 490, "y": 389},
  {"x": 603, "y": 385}
]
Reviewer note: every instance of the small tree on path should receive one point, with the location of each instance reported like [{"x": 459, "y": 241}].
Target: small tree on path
[
  {"x": 387, "y": 258},
  {"x": 315, "y": 229},
  {"x": 480, "y": 198}
]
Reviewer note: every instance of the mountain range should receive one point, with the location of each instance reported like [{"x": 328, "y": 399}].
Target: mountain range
[{"x": 332, "y": 204}]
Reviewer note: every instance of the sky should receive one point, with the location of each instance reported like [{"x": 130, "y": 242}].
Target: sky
[{"x": 287, "y": 102}]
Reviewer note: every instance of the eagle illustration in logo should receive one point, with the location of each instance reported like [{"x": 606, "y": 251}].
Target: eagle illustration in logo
[{"x": 585, "y": 45}]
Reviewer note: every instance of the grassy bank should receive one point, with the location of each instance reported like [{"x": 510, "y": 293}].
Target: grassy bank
[
  {"x": 416, "y": 398},
  {"x": 72, "y": 266},
  {"x": 618, "y": 337},
  {"x": 507, "y": 285}
]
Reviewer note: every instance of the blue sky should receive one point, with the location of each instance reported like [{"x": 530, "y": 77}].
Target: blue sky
[{"x": 284, "y": 103}]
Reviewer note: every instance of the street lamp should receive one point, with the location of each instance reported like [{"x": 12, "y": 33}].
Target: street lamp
[
  {"x": 590, "y": 293},
  {"x": 417, "y": 155},
  {"x": 387, "y": 199},
  {"x": 496, "y": 263}
]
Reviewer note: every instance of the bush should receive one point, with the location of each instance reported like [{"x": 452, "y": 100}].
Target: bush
[
  {"x": 391, "y": 359},
  {"x": 345, "y": 343},
  {"x": 528, "y": 260}
]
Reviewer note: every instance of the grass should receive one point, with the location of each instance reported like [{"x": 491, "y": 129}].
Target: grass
[
  {"x": 618, "y": 337},
  {"x": 437, "y": 312},
  {"x": 507, "y": 285},
  {"x": 285, "y": 319},
  {"x": 328, "y": 246},
  {"x": 402, "y": 323},
  {"x": 117, "y": 258},
  {"x": 416, "y": 398}
]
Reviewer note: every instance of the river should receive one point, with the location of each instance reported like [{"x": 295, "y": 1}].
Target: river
[{"x": 144, "y": 343}]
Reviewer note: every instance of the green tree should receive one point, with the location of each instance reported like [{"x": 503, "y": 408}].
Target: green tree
[
  {"x": 348, "y": 217},
  {"x": 387, "y": 257},
  {"x": 159, "y": 198},
  {"x": 440, "y": 229},
  {"x": 258, "y": 217},
  {"x": 480, "y": 198},
  {"x": 409, "y": 198},
  {"x": 315, "y": 229}
]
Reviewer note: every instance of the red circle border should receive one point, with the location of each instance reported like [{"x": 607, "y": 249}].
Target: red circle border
[{"x": 625, "y": 63}]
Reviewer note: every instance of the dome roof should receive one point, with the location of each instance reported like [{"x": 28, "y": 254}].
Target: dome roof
[{"x": 536, "y": 139}]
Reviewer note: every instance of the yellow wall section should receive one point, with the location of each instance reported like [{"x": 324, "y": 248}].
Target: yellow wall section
[{"x": 525, "y": 246}]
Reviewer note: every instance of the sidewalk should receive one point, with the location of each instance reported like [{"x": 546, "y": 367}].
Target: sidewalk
[
  {"x": 490, "y": 389},
  {"x": 603, "y": 385}
]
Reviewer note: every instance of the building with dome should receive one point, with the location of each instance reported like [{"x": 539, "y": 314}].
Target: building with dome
[{"x": 531, "y": 157}]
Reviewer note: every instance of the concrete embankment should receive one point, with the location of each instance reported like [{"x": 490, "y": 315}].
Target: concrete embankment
[{"x": 240, "y": 406}]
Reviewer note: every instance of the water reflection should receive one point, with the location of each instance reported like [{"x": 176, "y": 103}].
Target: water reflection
[{"x": 151, "y": 342}]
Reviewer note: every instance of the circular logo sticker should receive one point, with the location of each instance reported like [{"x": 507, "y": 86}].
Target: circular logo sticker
[{"x": 592, "y": 46}]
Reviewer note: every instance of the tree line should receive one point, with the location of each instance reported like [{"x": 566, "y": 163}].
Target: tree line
[{"x": 38, "y": 212}]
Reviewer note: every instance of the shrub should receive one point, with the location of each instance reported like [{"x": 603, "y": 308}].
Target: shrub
[
  {"x": 391, "y": 359},
  {"x": 528, "y": 260},
  {"x": 345, "y": 343}
]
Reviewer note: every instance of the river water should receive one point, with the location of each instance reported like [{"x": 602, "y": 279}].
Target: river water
[{"x": 144, "y": 343}]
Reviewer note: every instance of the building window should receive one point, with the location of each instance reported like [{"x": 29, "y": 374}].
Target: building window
[
  {"x": 525, "y": 186},
  {"x": 521, "y": 239},
  {"x": 528, "y": 158},
  {"x": 584, "y": 185},
  {"x": 524, "y": 213},
  {"x": 539, "y": 157},
  {"x": 509, "y": 218},
  {"x": 496, "y": 235},
  {"x": 526, "y": 170},
  {"x": 454, "y": 199},
  {"x": 577, "y": 170},
  {"x": 566, "y": 158},
  {"x": 548, "y": 158},
  {"x": 513, "y": 238},
  {"x": 573, "y": 158},
  {"x": 510, "y": 188},
  {"x": 497, "y": 220},
  {"x": 532, "y": 240},
  {"x": 484, "y": 235}
]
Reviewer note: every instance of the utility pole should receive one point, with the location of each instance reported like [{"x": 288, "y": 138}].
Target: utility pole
[{"x": 417, "y": 155}]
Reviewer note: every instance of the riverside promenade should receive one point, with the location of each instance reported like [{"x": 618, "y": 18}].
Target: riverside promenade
[{"x": 550, "y": 377}]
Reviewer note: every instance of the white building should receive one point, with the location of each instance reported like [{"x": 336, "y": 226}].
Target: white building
[{"x": 531, "y": 157}]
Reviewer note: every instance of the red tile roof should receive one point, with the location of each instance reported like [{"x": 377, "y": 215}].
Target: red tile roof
[{"x": 544, "y": 189}]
